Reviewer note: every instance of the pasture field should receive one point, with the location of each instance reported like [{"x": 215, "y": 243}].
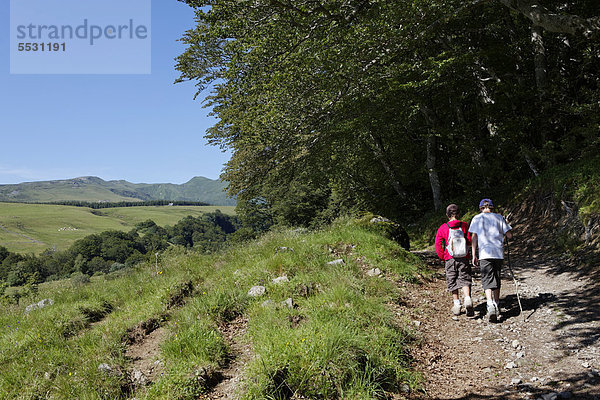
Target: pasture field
[
  {"x": 342, "y": 337},
  {"x": 33, "y": 228}
]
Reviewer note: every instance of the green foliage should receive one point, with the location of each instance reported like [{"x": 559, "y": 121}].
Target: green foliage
[
  {"x": 58, "y": 227},
  {"x": 578, "y": 181},
  {"x": 110, "y": 251},
  {"x": 356, "y": 105},
  {"x": 79, "y": 279},
  {"x": 386, "y": 228},
  {"x": 106, "y": 204}
]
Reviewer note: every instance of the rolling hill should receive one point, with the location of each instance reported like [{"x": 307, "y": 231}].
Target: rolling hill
[
  {"x": 94, "y": 189},
  {"x": 33, "y": 228}
]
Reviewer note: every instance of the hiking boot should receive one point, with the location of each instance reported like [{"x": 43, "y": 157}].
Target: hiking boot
[
  {"x": 456, "y": 309},
  {"x": 492, "y": 313},
  {"x": 469, "y": 307}
]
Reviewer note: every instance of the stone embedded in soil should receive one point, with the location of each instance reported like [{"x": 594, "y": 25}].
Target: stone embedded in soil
[
  {"x": 336, "y": 262},
  {"x": 256, "y": 291},
  {"x": 515, "y": 381},
  {"x": 283, "y": 248},
  {"x": 550, "y": 396},
  {"x": 515, "y": 344},
  {"x": 374, "y": 272},
  {"x": 38, "y": 305},
  {"x": 281, "y": 279},
  {"x": 289, "y": 303},
  {"x": 510, "y": 365},
  {"x": 138, "y": 378},
  {"x": 105, "y": 368}
]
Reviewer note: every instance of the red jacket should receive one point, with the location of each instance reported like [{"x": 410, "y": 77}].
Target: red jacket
[{"x": 441, "y": 238}]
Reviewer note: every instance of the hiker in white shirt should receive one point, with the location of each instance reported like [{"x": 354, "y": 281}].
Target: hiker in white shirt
[{"x": 487, "y": 233}]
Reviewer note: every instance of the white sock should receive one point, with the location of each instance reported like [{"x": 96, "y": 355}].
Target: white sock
[
  {"x": 467, "y": 298},
  {"x": 457, "y": 302},
  {"x": 490, "y": 303}
]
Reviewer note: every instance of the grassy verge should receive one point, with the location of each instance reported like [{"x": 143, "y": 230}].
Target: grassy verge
[
  {"x": 340, "y": 340},
  {"x": 578, "y": 182}
]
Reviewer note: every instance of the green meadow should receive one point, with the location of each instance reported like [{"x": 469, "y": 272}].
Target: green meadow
[
  {"x": 33, "y": 228},
  {"x": 341, "y": 339}
]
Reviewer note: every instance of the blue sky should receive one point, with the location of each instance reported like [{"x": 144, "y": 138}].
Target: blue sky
[{"x": 141, "y": 128}]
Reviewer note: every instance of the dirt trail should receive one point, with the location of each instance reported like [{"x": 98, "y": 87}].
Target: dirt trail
[
  {"x": 554, "y": 354},
  {"x": 232, "y": 376},
  {"x": 32, "y": 240},
  {"x": 146, "y": 366}
]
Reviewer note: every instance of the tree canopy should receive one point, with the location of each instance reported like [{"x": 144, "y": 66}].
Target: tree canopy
[{"x": 392, "y": 106}]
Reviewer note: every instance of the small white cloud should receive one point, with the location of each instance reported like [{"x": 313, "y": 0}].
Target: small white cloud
[{"x": 12, "y": 175}]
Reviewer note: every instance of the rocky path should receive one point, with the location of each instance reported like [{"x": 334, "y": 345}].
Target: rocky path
[{"x": 551, "y": 351}]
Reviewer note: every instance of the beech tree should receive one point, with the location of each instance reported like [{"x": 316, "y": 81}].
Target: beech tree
[
  {"x": 391, "y": 106},
  {"x": 559, "y": 20}
]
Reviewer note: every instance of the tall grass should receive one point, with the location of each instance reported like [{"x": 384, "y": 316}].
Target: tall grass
[{"x": 340, "y": 340}]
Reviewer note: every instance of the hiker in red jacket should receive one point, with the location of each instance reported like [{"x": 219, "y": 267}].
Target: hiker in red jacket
[{"x": 452, "y": 243}]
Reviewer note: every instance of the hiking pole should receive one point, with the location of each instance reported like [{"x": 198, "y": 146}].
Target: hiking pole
[{"x": 514, "y": 280}]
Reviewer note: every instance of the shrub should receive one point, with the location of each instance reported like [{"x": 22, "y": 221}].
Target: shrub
[{"x": 79, "y": 279}]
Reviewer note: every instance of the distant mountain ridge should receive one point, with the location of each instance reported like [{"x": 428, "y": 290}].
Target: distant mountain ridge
[{"x": 94, "y": 189}]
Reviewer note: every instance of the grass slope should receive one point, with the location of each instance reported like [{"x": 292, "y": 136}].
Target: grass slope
[
  {"x": 94, "y": 189},
  {"x": 32, "y": 228},
  {"x": 341, "y": 340}
]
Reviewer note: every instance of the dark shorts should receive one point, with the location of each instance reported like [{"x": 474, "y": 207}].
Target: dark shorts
[
  {"x": 458, "y": 273},
  {"x": 490, "y": 273}
]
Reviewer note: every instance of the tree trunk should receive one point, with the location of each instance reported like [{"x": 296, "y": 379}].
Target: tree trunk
[
  {"x": 555, "y": 22},
  {"x": 379, "y": 152},
  {"x": 531, "y": 165},
  {"x": 434, "y": 179},
  {"x": 539, "y": 60},
  {"x": 541, "y": 81}
]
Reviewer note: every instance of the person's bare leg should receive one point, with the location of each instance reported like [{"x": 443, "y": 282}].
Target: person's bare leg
[
  {"x": 466, "y": 291},
  {"x": 455, "y": 302},
  {"x": 496, "y": 294},
  {"x": 493, "y": 296},
  {"x": 468, "y": 301},
  {"x": 488, "y": 295}
]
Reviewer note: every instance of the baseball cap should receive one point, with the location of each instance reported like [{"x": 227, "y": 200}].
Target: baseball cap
[{"x": 488, "y": 201}]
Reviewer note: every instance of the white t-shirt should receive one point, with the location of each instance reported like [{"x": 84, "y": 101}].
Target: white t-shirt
[{"x": 490, "y": 229}]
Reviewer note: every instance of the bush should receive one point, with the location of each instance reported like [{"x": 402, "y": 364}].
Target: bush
[
  {"x": 79, "y": 279},
  {"x": 116, "y": 266},
  {"x": 385, "y": 227}
]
